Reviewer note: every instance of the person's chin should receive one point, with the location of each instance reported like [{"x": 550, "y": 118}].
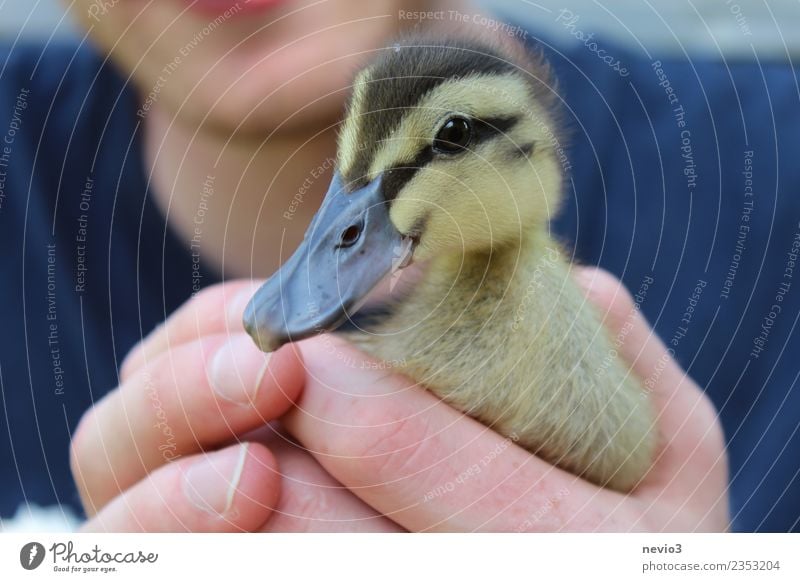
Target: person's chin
[
  {"x": 274, "y": 87},
  {"x": 258, "y": 102}
]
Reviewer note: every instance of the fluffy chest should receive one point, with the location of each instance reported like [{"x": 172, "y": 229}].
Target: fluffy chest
[{"x": 478, "y": 326}]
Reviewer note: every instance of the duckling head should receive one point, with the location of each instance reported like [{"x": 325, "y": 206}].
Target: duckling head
[{"x": 447, "y": 147}]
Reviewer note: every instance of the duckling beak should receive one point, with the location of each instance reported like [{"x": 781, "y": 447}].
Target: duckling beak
[{"x": 350, "y": 246}]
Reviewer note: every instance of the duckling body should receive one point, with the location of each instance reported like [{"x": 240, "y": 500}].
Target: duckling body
[
  {"x": 507, "y": 338},
  {"x": 447, "y": 155}
]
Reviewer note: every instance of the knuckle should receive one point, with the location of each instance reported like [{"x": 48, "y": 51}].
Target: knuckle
[
  {"x": 77, "y": 445},
  {"x": 714, "y": 440},
  {"x": 128, "y": 367},
  {"x": 86, "y": 460},
  {"x": 612, "y": 296},
  {"x": 135, "y": 357},
  {"x": 390, "y": 447}
]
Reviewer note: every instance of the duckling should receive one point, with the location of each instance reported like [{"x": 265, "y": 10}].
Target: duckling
[{"x": 447, "y": 157}]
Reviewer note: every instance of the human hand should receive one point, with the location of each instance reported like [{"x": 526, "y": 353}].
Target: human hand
[
  {"x": 165, "y": 450},
  {"x": 430, "y": 468},
  {"x": 412, "y": 457}
]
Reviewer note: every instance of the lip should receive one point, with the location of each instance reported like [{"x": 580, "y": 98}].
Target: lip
[{"x": 217, "y": 7}]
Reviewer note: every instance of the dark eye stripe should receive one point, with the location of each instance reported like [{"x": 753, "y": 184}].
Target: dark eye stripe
[
  {"x": 395, "y": 178},
  {"x": 405, "y": 73},
  {"x": 486, "y": 129}
]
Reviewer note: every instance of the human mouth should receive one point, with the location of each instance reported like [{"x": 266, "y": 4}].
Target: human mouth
[{"x": 233, "y": 7}]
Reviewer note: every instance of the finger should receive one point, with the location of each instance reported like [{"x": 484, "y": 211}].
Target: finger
[
  {"x": 197, "y": 396},
  {"x": 691, "y": 462},
  {"x": 313, "y": 501},
  {"x": 230, "y": 490},
  {"x": 628, "y": 330},
  {"x": 420, "y": 462},
  {"x": 214, "y": 310}
]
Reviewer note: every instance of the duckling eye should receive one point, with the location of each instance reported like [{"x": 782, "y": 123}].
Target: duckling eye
[
  {"x": 454, "y": 136},
  {"x": 349, "y": 236}
]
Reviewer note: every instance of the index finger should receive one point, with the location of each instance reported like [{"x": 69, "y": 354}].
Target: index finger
[
  {"x": 691, "y": 464},
  {"x": 214, "y": 310}
]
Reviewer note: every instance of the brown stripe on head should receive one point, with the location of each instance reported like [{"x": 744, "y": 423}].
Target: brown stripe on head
[{"x": 401, "y": 77}]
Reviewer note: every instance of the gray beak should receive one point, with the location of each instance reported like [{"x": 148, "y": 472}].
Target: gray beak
[{"x": 350, "y": 246}]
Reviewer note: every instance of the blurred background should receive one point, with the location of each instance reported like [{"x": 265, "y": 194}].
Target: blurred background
[{"x": 729, "y": 28}]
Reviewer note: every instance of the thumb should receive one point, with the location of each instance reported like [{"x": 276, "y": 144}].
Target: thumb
[{"x": 691, "y": 464}]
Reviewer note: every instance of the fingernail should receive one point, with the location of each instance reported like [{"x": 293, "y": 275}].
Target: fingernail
[
  {"x": 237, "y": 369},
  {"x": 211, "y": 483}
]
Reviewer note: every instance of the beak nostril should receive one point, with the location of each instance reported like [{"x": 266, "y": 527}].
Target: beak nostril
[{"x": 350, "y": 236}]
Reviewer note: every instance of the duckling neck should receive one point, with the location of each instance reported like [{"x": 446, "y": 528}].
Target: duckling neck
[
  {"x": 466, "y": 298},
  {"x": 506, "y": 273}
]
